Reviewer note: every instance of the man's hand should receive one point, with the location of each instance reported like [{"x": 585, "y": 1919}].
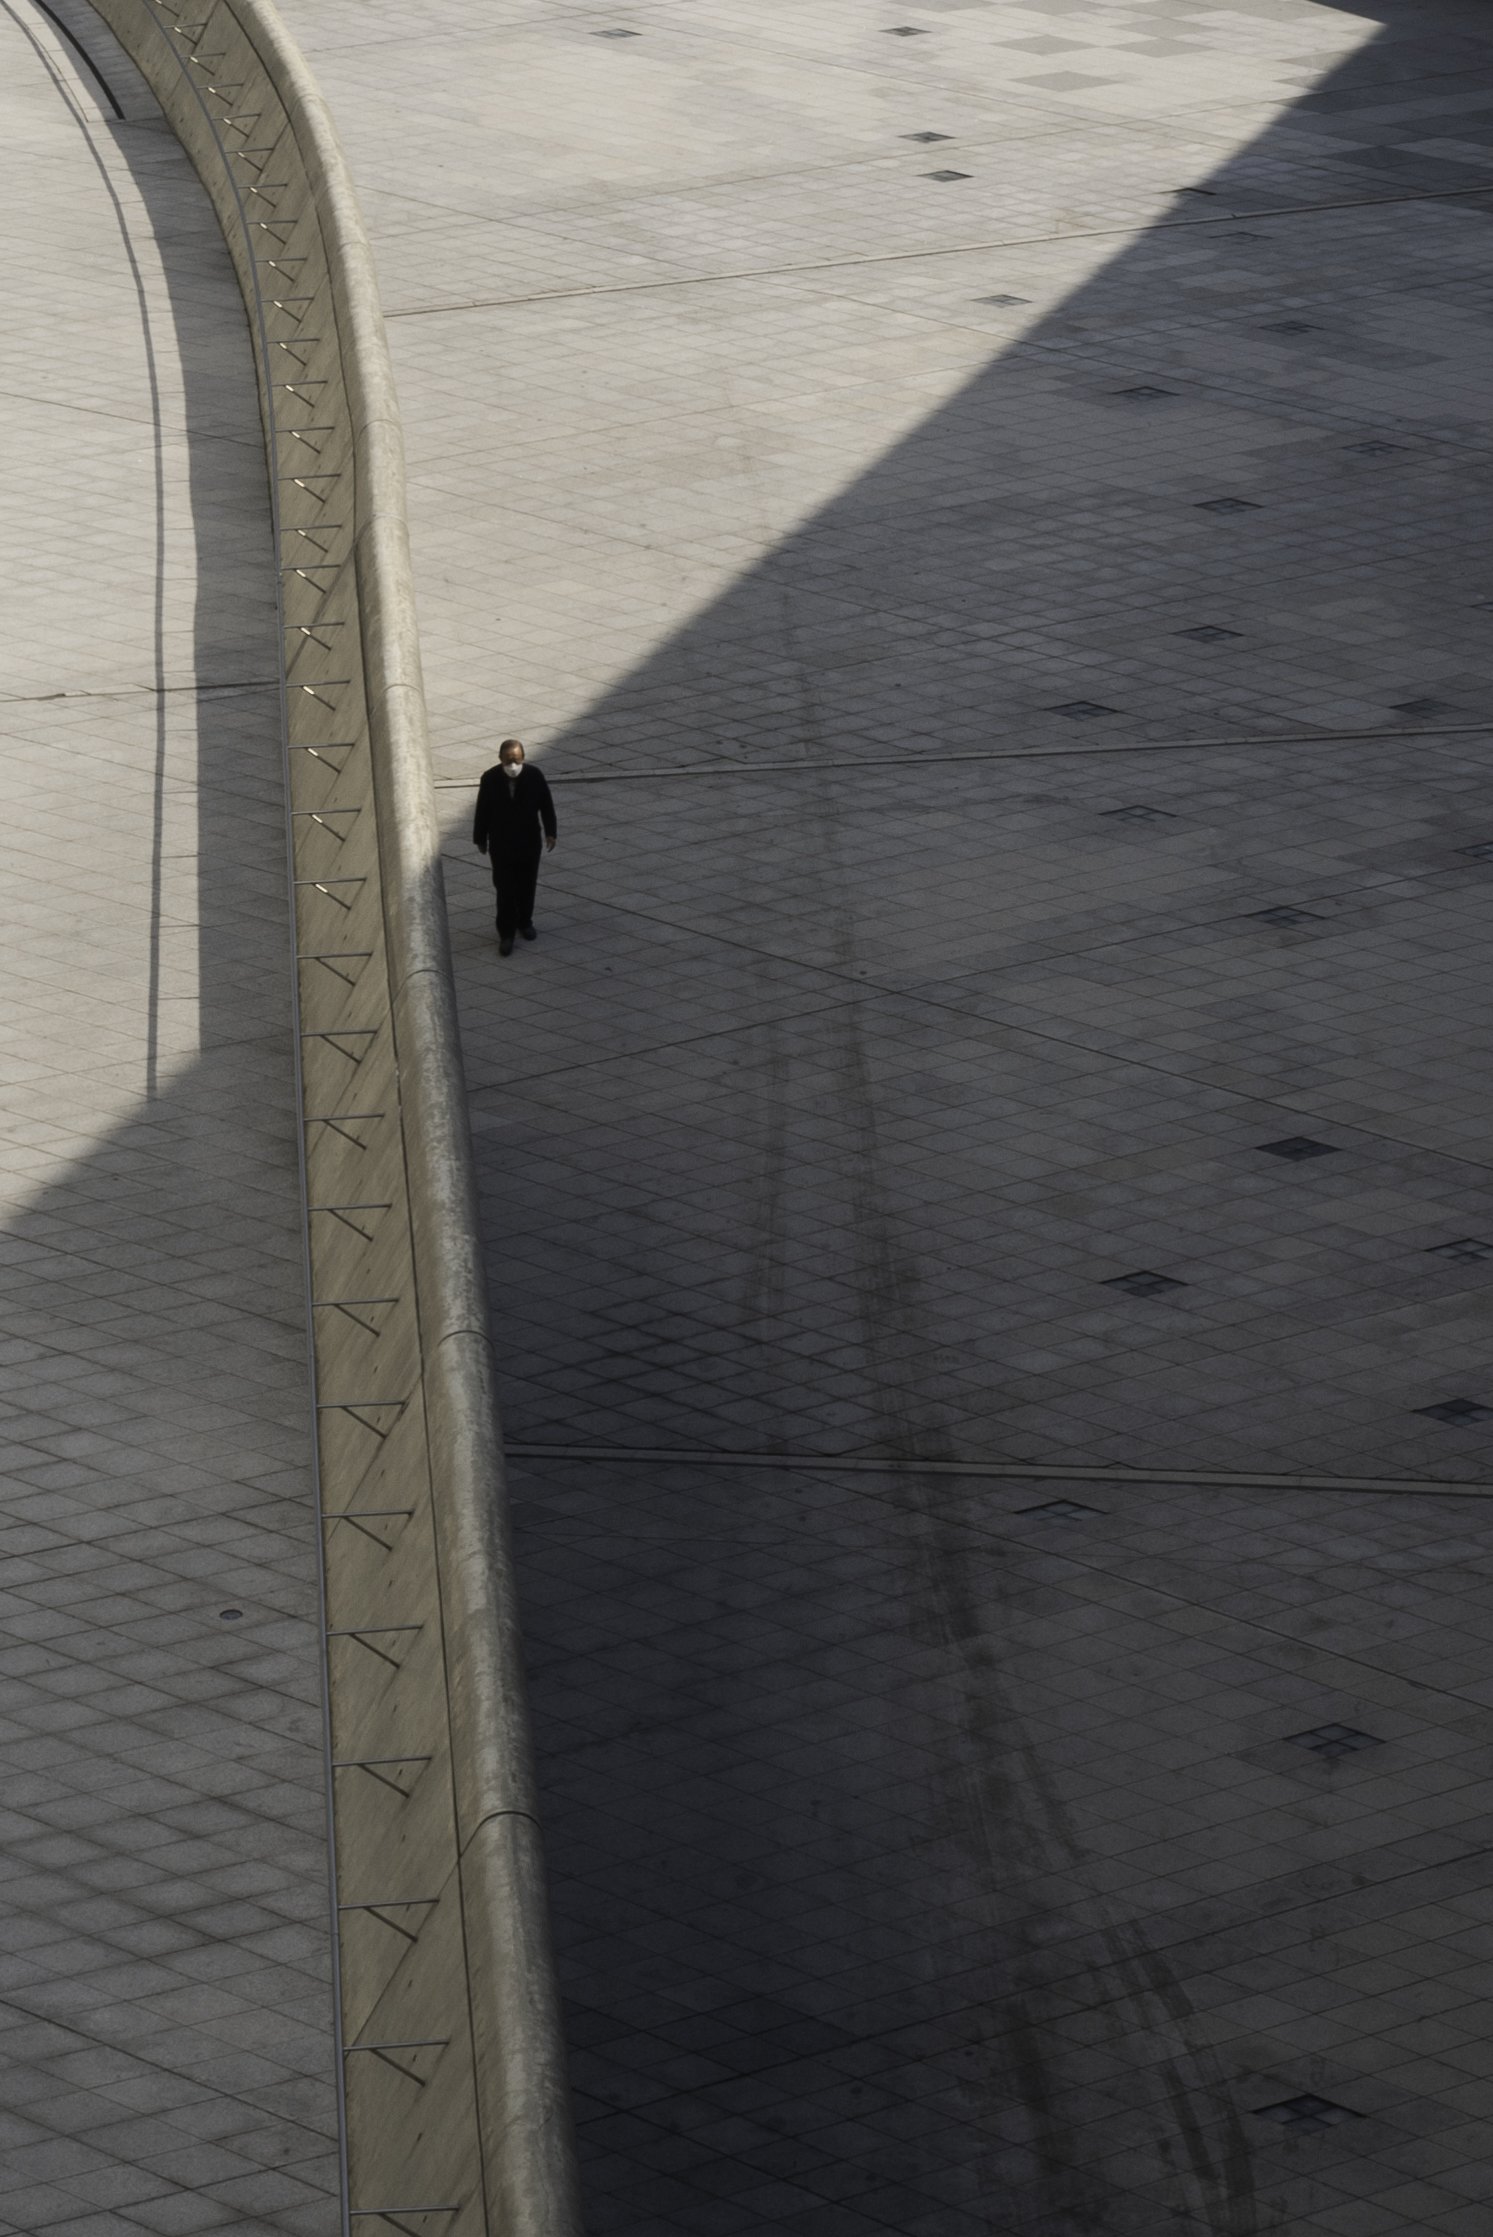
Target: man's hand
[{"x": 549, "y": 844}]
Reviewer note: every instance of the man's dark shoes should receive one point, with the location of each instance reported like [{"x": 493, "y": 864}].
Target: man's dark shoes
[
  {"x": 505, "y": 944},
  {"x": 527, "y": 932}
]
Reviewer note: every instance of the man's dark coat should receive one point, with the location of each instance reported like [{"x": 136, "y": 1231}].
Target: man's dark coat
[{"x": 510, "y": 817}]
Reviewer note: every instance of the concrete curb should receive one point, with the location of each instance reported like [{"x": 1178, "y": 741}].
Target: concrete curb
[{"x": 491, "y": 2150}]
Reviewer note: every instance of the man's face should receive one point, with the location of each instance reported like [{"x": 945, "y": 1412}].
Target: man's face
[{"x": 513, "y": 762}]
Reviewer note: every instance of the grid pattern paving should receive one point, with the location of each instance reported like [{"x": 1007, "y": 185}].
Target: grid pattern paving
[
  {"x": 945, "y": 1854},
  {"x": 938, "y": 1860},
  {"x": 166, "y": 2044}
]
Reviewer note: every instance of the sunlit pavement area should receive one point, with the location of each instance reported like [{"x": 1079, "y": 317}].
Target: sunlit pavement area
[
  {"x": 982, "y": 512},
  {"x": 165, "y": 2011}
]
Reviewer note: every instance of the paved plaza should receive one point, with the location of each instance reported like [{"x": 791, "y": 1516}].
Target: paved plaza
[
  {"x": 982, "y": 512},
  {"x": 166, "y": 2030}
]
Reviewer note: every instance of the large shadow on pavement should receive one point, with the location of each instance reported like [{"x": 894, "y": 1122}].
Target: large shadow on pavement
[{"x": 842, "y": 1957}]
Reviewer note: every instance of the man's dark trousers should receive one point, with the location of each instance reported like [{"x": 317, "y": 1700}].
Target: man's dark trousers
[
  {"x": 515, "y": 876},
  {"x": 514, "y": 816}
]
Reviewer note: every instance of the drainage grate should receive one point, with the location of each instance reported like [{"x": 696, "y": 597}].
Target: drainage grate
[
  {"x": 1296, "y": 1147},
  {"x": 1139, "y": 813},
  {"x": 1306, "y": 2114},
  {"x": 1005, "y": 301},
  {"x": 1080, "y": 710},
  {"x": 1333, "y": 1740},
  {"x": 1143, "y": 395},
  {"x": 1226, "y": 505},
  {"x": 948, "y": 174},
  {"x": 927, "y": 138}
]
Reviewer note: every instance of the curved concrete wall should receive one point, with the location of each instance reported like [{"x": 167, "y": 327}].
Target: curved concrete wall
[{"x": 456, "y": 2111}]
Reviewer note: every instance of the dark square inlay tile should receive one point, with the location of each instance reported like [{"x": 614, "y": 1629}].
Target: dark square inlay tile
[
  {"x": 1480, "y": 851},
  {"x": 1143, "y": 1283},
  {"x": 1143, "y": 394},
  {"x": 1333, "y": 1740},
  {"x": 1285, "y": 917},
  {"x": 947, "y": 174},
  {"x": 1297, "y": 1147},
  {"x": 1003, "y": 300},
  {"x": 1374, "y": 448},
  {"x": 1291, "y": 326},
  {"x": 1423, "y": 707},
  {"x": 1208, "y": 634},
  {"x": 1139, "y": 813},
  {"x": 1080, "y": 710},
  {"x": 1060, "y": 1510},
  {"x": 1456, "y": 1411},
  {"x": 1226, "y": 505},
  {"x": 1306, "y": 2114},
  {"x": 1467, "y": 1250},
  {"x": 619, "y": 34},
  {"x": 906, "y": 30},
  {"x": 927, "y": 138}
]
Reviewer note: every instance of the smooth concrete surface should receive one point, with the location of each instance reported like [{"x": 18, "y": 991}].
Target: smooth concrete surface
[
  {"x": 923, "y": 1864},
  {"x": 167, "y": 2040}
]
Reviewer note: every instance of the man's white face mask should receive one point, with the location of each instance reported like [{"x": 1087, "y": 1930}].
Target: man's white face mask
[{"x": 512, "y": 768}]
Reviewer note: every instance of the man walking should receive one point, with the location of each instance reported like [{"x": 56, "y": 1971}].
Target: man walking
[{"x": 513, "y": 806}]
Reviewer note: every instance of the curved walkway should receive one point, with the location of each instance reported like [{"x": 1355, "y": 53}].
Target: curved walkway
[{"x": 168, "y": 2041}]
